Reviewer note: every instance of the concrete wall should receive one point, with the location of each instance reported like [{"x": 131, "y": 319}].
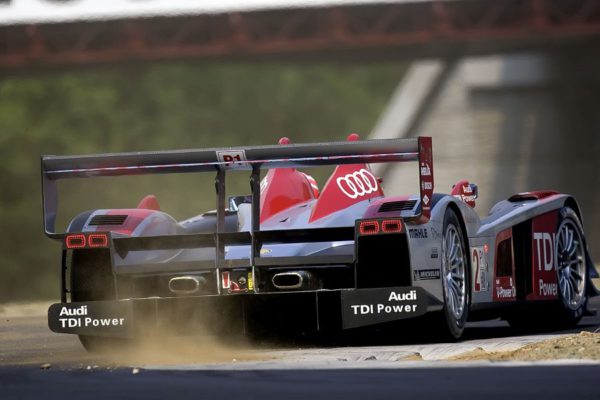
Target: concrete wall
[{"x": 516, "y": 123}]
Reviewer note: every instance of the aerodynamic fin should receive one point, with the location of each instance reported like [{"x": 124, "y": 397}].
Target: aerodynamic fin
[{"x": 348, "y": 184}]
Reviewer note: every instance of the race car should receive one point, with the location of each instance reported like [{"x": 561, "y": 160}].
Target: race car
[{"x": 294, "y": 255}]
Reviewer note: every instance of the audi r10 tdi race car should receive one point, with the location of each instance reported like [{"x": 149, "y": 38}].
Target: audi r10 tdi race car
[{"x": 342, "y": 257}]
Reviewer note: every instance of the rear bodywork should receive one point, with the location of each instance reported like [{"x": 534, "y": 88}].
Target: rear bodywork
[{"x": 286, "y": 254}]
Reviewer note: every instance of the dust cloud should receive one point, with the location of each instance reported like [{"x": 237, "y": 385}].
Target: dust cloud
[{"x": 27, "y": 340}]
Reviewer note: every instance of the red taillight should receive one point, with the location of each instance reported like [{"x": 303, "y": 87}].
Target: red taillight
[
  {"x": 391, "y": 225},
  {"x": 225, "y": 281},
  {"x": 98, "y": 240},
  {"x": 368, "y": 227},
  {"x": 75, "y": 241},
  {"x": 81, "y": 241}
]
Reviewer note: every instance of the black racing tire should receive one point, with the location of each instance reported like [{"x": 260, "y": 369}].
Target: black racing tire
[
  {"x": 571, "y": 305},
  {"x": 103, "y": 345},
  {"x": 449, "y": 324},
  {"x": 571, "y": 308}
]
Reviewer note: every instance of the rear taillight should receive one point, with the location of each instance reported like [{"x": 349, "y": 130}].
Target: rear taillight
[
  {"x": 369, "y": 227},
  {"x": 75, "y": 241},
  {"x": 379, "y": 226},
  {"x": 82, "y": 241},
  {"x": 391, "y": 225},
  {"x": 98, "y": 240}
]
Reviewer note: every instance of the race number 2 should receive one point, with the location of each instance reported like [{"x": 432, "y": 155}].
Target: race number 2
[
  {"x": 232, "y": 158},
  {"x": 479, "y": 262}
]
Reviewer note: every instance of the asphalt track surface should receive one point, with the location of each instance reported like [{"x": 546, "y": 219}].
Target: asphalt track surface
[
  {"x": 544, "y": 382},
  {"x": 26, "y": 344}
]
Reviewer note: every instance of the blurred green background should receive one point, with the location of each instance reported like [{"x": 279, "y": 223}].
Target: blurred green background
[{"x": 157, "y": 107}]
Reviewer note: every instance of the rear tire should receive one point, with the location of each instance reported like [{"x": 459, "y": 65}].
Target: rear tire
[
  {"x": 450, "y": 322},
  {"x": 102, "y": 345},
  {"x": 92, "y": 280},
  {"x": 571, "y": 267}
]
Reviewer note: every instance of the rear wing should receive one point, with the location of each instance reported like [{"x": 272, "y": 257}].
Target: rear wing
[{"x": 220, "y": 160}]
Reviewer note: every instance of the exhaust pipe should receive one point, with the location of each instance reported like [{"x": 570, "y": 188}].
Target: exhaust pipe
[
  {"x": 188, "y": 284},
  {"x": 292, "y": 280}
]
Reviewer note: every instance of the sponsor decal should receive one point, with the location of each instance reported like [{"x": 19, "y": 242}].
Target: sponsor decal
[
  {"x": 467, "y": 194},
  {"x": 358, "y": 184},
  {"x": 505, "y": 293},
  {"x": 543, "y": 248},
  {"x": 71, "y": 312},
  {"x": 480, "y": 264},
  {"x": 102, "y": 318},
  {"x": 361, "y": 307},
  {"x": 435, "y": 252},
  {"x": 544, "y": 244},
  {"x": 426, "y": 274},
  {"x": 232, "y": 158},
  {"x": 417, "y": 233},
  {"x": 425, "y": 176},
  {"x": 466, "y": 199},
  {"x": 505, "y": 289},
  {"x": 425, "y": 169},
  {"x": 547, "y": 289}
]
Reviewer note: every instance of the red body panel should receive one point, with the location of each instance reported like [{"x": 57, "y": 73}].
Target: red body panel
[
  {"x": 149, "y": 203},
  {"x": 504, "y": 283},
  {"x": 534, "y": 195},
  {"x": 348, "y": 185},
  {"x": 543, "y": 250},
  {"x": 282, "y": 188},
  {"x": 542, "y": 194}
]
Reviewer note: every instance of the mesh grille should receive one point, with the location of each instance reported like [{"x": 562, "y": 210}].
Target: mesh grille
[
  {"x": 397, "y": 206},
  {"x": 108, "y": 220}
]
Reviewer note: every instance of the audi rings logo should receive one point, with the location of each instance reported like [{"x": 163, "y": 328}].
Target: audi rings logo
[{"x": 357, "y": 184}]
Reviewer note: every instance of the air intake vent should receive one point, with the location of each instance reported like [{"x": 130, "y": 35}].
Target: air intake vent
[
  {"x": 108, "y": 220},
  {"x": 404, "y": 205}
]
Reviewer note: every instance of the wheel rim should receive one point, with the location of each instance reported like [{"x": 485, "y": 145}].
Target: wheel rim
[
  {"x": 570, "y": 264},
  {"x": 454, "y": 272}
]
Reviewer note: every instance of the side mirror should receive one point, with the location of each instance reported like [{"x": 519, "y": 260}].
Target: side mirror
[
  {"x": 475, "y": 190},
  {"x": 465, "y": 191}
]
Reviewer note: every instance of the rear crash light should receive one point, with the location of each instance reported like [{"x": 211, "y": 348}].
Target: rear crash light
[
  {"x": 391, "y": 225},
  {"x": 369, "y": 227},
  {"x": 225, "y": 280},
  {"x": 98, "y": 240},
  {"x": 75, "y": 241}
]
